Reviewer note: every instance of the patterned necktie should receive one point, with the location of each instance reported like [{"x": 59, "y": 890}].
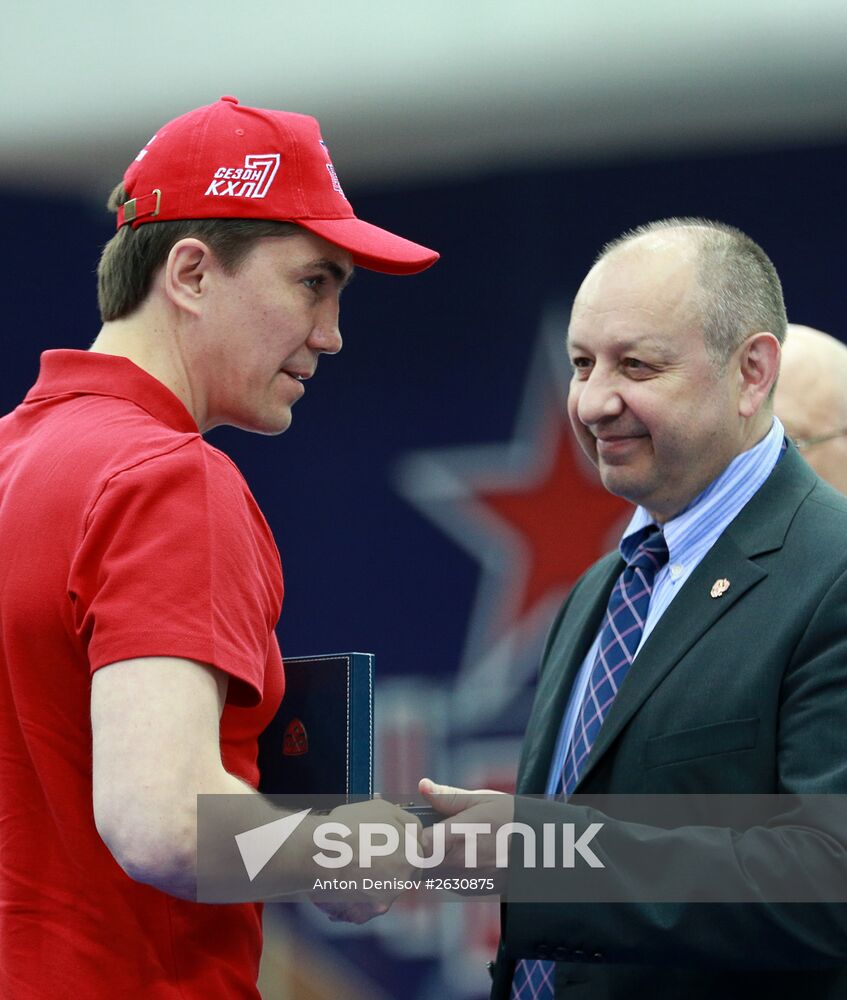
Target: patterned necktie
[{"x": 620, "y": 634}]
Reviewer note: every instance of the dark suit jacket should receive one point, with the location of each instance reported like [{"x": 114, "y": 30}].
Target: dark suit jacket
[{"x": 746, "y": 693}]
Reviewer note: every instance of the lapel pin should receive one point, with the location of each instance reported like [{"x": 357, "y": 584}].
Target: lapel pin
[{"x": 719, "y": 588}]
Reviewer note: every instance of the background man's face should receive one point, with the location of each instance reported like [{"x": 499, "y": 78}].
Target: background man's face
[
  {"x": 811, "y": 416},
  {"x": 811, "y": 400},
  {"x": 646, "y": 402}
]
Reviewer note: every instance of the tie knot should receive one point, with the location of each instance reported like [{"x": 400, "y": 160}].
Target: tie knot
[{"x": 646, "y": 551}]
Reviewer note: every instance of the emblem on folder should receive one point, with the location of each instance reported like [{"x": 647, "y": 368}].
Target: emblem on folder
[
  {"x": 295, "y": 742},
  {"x": 719, "y": 588}
]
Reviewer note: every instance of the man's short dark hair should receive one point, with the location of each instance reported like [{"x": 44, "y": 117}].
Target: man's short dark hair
[
  {"x": 132, "y": 256},
  {"x": 741, "y": 291}
]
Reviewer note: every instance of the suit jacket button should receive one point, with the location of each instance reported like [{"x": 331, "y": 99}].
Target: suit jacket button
[
  {"x": 542, "y": 952},
  {"x": 597, "y": 956},
  {"x": 578, "y": 953},
  {"x": 561, "y": 954}
]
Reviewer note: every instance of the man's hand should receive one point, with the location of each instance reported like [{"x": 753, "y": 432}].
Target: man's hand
[
  {"x": 463, "y": 810},
  {"x": 388, "y": 863},
  {"x": 352, "y": 913}
]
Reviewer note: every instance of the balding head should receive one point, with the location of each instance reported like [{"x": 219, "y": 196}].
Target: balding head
[
  {"x": 739, "y": 290},
  {"x": 811, "y": 399}
]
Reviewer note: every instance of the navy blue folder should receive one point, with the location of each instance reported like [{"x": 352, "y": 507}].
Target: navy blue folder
[{"x": 321, "y": 739}]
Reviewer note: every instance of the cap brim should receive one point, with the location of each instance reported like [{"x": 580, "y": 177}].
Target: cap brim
[{"x": 373, "y": 248}]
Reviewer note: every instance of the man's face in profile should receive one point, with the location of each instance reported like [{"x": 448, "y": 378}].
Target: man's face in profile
[{"x": 268, "y": 324}]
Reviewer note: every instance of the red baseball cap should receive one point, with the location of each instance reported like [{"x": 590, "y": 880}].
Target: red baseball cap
[{"x": 228, "y": 161}]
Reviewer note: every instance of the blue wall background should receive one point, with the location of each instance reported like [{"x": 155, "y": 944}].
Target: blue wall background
[{"x": 436, "y": 360}]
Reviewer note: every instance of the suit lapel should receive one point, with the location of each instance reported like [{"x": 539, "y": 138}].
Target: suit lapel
[
  {"x": 567, "y": 648},
  {"x": 692, "y": 612},
  {"x": 759, "y": 528}
]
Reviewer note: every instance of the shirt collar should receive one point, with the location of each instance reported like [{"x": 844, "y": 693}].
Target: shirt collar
[
  {"x": 84, "y": 373},
  {"x": 711, "y": 511}
]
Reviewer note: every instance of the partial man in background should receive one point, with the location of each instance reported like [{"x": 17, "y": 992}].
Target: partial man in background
[
  {"x": 707, "y": 656},
  {"x": 140, "y": 582},
  {"x": 811, "y": 400}
]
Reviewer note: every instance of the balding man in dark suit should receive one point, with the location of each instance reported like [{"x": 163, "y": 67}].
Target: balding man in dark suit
[{"x": 708, "y": 655}]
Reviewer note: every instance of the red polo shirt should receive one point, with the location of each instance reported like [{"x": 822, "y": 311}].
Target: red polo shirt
[{"x": 122, "y": 534}]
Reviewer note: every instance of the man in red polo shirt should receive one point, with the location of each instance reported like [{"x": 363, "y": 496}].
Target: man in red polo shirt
[{"x": 140, "y": 583}]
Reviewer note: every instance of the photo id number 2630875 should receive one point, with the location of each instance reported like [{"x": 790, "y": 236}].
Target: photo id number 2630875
[{"x": 460, "y": 884}]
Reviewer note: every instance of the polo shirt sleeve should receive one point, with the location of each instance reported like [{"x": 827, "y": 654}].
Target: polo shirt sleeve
[{"x": 176, "y": 559}]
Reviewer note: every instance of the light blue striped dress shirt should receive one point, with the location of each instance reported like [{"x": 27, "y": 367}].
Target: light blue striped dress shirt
[{"x": 688, "y": 536}]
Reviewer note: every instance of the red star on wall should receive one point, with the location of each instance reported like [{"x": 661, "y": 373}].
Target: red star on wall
[{"x": 562, "y": 521}]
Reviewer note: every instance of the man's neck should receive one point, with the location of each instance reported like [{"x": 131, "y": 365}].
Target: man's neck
[
  {"x": 754, "y": 434},
  {"x": 151, "y": 346}
]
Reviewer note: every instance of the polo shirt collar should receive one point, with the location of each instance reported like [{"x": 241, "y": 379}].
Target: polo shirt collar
[{"x": 89, "y": 373}]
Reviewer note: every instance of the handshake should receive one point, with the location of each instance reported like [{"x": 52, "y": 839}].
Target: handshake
[{"x": 454, "y": 833}]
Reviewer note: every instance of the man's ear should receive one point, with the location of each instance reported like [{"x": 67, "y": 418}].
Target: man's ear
[
  {"x": 187, "y": 272},
  {"x": 758, "y": 369}
]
